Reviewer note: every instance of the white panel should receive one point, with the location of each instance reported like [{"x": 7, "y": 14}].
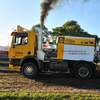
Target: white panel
[{"x": 77, "y": 52}]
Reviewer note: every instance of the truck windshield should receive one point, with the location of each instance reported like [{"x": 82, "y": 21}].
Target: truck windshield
[{"x": 21, "y": 39}]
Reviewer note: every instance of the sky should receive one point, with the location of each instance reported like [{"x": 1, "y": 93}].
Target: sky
[{"x": 26, "y": 13}]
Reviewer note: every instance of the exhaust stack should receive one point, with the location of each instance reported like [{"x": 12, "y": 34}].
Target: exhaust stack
[
  {"x": 39, "y": 37},
  {"x": 40, "y": 53}
]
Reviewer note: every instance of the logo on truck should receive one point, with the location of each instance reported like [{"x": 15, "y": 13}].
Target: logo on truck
[
  {"x": 18, "y": 52},
  {"x": 69, "y": 41},
  {"x": 66, "y": 40},
  {"x": 76, "y": 41}
]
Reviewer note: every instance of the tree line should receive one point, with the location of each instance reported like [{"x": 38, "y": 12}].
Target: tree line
[{"x": 70, "y": 28}]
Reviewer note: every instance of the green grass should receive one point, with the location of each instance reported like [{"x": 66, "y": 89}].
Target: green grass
[
  {"x": 98, "y": 64},
  {"x": 4, "y": 61},
  {"x": 47, "y": 96}
]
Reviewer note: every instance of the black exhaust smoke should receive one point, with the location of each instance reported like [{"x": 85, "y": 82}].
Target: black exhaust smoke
[{"x": 48, "y": 5}]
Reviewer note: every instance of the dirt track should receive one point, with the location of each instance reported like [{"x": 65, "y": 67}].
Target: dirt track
[{"x": 48, "y": 82}]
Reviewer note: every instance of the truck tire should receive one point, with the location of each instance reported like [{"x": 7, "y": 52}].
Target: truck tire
[
  {"x": 29, "y": 70},
  {"x": 83, "y": 70}
]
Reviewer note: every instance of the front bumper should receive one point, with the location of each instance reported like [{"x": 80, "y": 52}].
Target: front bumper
[
  {"x": 16, "y": 68},
  {"x": 15, "y": 64}
]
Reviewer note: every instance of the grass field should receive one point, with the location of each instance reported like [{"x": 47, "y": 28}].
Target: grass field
[
  {"x": 48, "y": 96},
  {"x": 4, "y": 61}
]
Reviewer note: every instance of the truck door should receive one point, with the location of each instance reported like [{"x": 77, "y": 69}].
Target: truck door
[{"x": 20, "y": 46}]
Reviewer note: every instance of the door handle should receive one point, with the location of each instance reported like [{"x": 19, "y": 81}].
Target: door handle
[{"x": 29, "y": 52}]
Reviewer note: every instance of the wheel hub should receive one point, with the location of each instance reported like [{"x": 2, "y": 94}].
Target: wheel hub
[
  {"x": 29, "y": 70},
  {"x": 83, "y": 71}
]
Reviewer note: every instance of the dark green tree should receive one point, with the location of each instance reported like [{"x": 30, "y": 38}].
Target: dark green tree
[{"x": 72, "y": 28}]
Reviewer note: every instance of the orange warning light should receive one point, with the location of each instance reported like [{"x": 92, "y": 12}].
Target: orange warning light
[
  {"x": 20, "y": 29},
  {"x": 96, "y": 68}
]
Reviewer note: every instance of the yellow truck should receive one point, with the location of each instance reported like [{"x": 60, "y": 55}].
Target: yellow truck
[{"x": 75, "y": 54}]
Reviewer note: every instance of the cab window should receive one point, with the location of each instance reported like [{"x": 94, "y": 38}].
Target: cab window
[{"x": 20, "y": 39}]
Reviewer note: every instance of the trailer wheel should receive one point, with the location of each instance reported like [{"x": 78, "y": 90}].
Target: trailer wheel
[
  {"x": 83, "y": 71},
  {"x": 29, "y": 70}
]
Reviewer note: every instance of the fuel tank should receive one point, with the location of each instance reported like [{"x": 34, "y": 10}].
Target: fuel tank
[{"x": 58, "y": 66}]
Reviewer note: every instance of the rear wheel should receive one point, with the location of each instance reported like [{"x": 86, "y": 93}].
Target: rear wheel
[
  {"x": 83, "y": 70},
  {"x": 29, "y": 70}
]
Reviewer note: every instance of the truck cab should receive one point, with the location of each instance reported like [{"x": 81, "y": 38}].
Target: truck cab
[{"x": 24, "y": 44}]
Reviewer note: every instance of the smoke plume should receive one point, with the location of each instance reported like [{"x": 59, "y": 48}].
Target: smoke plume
[{"x": 48, "y": 5}]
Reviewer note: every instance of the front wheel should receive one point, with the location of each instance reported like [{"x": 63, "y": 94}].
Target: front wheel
[
  {"x": 29, "y": 70},
  {"x": 83, "y": 71}
]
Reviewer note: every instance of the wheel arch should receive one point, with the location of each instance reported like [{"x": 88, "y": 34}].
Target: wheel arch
[
  {"x": 30, "y": 59},
  {"x": 82, "y": 61}
]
